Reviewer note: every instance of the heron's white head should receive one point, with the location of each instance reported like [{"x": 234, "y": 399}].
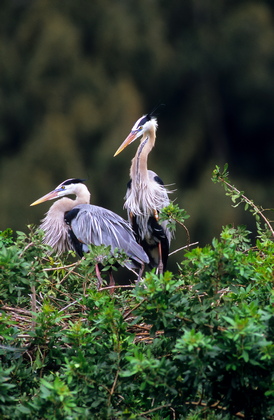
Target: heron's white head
[
  {"x": 145, "y": 124},
  {"x": 70, "y": 186}
]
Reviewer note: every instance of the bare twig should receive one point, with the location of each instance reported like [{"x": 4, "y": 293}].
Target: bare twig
[
  {"x": 20, "y": 311},
  {"x": 26, "y": 247},
  {"x": 69, "y": 305},
  {"x": 33, "y": 306},
  {"x": 131, "y": 310},
  {"x": 155, "y": 409},
  {"x": 118, "y": 286},
  {"x": 64, "y": 267},
  {"x": 70, "y": 271},
  {"x": 187, "y": 231},
  {"x": 183, "y": 247},
  {"x": 113, "y": 386},
  {"x": 214, "y": 405}
]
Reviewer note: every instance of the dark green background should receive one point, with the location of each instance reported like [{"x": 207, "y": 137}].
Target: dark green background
[{"x": 76, "y": 75}]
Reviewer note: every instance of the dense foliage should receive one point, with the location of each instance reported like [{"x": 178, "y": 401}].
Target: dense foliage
[{"x": 192, "y": 345}]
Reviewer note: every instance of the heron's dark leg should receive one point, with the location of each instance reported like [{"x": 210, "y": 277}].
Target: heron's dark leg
[
  {"x": 160, "y": 268},
  {"x": 141, "y": 272},
  {"x": 98, "y": 275},
  {"x": 111, "y": 282}
]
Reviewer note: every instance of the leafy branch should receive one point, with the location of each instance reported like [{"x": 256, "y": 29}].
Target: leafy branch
[
  {"x": 173, "y": 214},
  {"x": 238, "y": 197}
]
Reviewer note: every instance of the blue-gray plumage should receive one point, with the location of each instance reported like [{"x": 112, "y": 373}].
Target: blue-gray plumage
[
  {"x": 98, "y": 226},
  {"x": 75, "y": 224}
]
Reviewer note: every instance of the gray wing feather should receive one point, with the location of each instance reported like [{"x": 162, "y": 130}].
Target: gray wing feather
[{"x": 99, "y": 226}]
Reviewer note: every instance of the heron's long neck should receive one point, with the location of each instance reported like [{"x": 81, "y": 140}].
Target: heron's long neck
[
  {"x": 82, "y": 196},
  {"x": 138, "y": 170},
  {"x": 65, "y": 204},
  {"x": 53, "y": 224},
  {"x": 61, "y": 206}
]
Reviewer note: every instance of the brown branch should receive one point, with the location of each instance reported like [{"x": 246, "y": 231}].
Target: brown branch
[
  {"x": 113, "y": 386},
  {"x": 205, "y": 325},
  {"x": 142, "y": 328},
  {"x": 70, "y": 271},
  {"x": 70, "y": 304},
  {"x": 183, "y": 247},
  {"x": 154, "y": 409},
  {"x": 64, "y": 267},
  {"x": 26, "y": 247},
  {"x": 187, "y": 231},
  {"x": 33, "y": 306},
  {"x": 20, "y": 311},
  {"x": 118, "y": 286},
  {"x": 133, "y": 309},
  {"x": 215, "y": 405}
]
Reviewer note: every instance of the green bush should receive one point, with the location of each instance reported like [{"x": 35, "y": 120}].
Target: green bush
[{"x": 192, "y": 345}]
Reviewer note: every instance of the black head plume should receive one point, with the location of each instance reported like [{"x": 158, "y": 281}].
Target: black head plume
[
  {"x": 147, "y": 117},
  {"x": 153, "y": 113},
  {"x": 73, "y": 181}
]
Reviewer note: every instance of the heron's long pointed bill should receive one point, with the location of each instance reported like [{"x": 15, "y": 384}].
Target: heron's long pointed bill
[
  {"x": 130, "y": 138},
  {"x": 50, "y": 196}
]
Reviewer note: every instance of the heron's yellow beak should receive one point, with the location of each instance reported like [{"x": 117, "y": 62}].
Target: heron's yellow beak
[
  {"x": 50, "y": 196},
  {"x": 130, "y": 138}
]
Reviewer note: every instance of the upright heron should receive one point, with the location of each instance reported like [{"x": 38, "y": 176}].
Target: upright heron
[
  {"x": 74, "y": 224},
  {"x": 146, "y": 195}
]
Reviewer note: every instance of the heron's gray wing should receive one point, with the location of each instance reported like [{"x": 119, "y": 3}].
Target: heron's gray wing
[{"x": 99, "y": 226}]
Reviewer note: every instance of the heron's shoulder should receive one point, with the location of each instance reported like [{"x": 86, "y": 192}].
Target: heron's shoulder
[
  {"x": 153, "y": 176},
  {"x": 71, "y": 214},
  {"x": 96, "y": 212}
]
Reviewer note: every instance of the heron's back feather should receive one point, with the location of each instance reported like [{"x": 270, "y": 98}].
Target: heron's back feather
[{"x": 99, "y": 226}]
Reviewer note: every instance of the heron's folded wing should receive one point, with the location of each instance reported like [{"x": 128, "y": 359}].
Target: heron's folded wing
[{"x": 99, "y": 226}]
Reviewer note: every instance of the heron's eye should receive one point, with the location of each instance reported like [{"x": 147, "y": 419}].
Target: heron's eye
[
  {"x": 62, "y": 188},
  {"x": 140, "y": 128}
]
